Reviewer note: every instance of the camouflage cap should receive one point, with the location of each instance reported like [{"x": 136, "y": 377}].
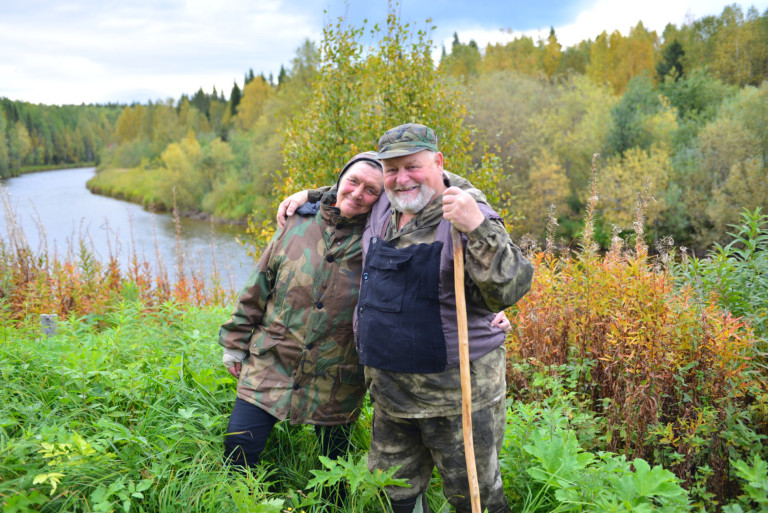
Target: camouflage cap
[{"x": 406, "y": 140}]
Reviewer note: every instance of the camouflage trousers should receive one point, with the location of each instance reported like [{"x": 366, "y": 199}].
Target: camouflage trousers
[{"x": 418, "y": 445}]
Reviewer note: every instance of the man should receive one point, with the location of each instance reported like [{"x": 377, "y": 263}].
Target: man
[{"x": 407, "y": 327}]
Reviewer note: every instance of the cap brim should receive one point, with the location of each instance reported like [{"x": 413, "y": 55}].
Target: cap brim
[{"x": 402, "y": 152}]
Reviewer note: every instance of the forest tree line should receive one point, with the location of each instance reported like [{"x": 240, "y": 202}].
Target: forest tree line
[
  {"x": 680, "y": 120},
  {"x": 35, "y": 136}
]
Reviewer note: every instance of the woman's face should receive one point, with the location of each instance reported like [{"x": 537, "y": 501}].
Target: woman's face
[{"x": 359, "y": 189}]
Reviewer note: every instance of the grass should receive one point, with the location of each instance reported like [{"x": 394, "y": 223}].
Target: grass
[
  {"x": 128, "y": 414},
  {"x": 137, "y": 185},
  {"x": 125, "y": 406}
]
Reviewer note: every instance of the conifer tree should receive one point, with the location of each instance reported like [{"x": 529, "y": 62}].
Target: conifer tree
[
  {"x": 201, "y": 102},
  {"x": 671, "y": 61},
  {"x": 234, "y": 99}
]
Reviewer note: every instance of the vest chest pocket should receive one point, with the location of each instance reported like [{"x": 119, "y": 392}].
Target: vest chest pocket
[{"x": 387, "y": 279}]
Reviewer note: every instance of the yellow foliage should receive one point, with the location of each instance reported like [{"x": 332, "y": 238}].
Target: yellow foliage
[
  {"x": 179, "y": 157},
  {"x": 52, "y": 478},
  {"x": 192, "y": 119},
  {"x": 550, "y": 58},
  {"x": 165, "y": 123},
  {"x": 180, "y": 181},
  {"x": 547, "y": 185},
  {"x": 520, "y": 55},
  {"x": 746, "y": 187},
  {"x": 616, "y": 59},
  {"x": 739, "y": 54},
  {"x": 661, "y": 125},
  {"x": 637, "y": 173},
  {"x": 129, "y": 123},
  {"x": 255, "y": 95}
]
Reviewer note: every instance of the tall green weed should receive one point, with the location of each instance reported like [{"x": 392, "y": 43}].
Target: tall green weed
[
  {"x": 102, "y": 413},
  {"x": 736, "y": 275},
  {"x": 755, "y": 496},
  {"x": 127, "y": 413}
]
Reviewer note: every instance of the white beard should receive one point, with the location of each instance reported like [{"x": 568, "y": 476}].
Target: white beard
[{"x": 414, "y": 205}]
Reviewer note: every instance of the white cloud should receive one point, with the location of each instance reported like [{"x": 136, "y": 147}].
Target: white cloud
[
  {"x": 607, "y": 15},
  {"x": 610, "y": 15},
  {"x": 96, "y": 53},
  {"x": 116, "y": 51}
]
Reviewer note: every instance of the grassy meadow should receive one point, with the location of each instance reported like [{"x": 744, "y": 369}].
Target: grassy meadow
[{"x": 636, "y": 383}]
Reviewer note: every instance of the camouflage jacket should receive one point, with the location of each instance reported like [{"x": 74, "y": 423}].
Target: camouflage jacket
[
  {"x": 497, "y": 275},
  {"x": 294, "y": 320}
]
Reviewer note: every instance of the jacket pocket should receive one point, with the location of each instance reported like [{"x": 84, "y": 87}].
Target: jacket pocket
[
  {"x": 388, "y": 279},
  {"x": 348, "y": 391},
  {"x": 266, "y": 338}
]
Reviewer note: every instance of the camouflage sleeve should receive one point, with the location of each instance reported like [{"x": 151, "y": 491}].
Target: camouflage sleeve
[
  {"x": 315, "y": 195},
  {"x": 499, "y": 275},
  {"x": 251, "y": 303},
  {"x": 465, "y": 185}
]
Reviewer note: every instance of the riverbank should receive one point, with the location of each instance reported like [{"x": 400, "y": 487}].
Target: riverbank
[
  {"x": 54, "y": 167},
  {"x": 25, "y": 170},
  {"x": 57, "y": 211},
  {"x": 142, "y": 186}
]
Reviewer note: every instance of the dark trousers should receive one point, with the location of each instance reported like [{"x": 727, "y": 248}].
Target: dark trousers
[{"x": 249, "y": 427}]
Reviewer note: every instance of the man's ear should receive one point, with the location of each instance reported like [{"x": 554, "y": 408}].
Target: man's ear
[{"x": 439, "y": 160}]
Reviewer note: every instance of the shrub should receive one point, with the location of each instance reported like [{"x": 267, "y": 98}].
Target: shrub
[{"x": 666, "y": 368}]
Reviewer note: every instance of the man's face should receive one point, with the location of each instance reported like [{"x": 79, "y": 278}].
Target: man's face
[
  {"x": 359, "y": 189},
  {"x": 411, "y": 182}
]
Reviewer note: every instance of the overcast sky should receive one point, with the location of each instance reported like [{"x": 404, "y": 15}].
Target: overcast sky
[{"x": 99, "y": 51}]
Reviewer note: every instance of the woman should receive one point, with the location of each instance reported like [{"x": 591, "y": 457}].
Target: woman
[{"x": 290, "y": 341}]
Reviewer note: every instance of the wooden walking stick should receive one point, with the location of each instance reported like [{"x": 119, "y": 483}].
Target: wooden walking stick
[{"x": 466, "y": 383}]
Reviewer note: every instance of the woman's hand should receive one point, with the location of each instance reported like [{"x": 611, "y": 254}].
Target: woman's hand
[
  {"x": 501, "y": 321},
  {"x": 235, "y": 369},
  {"x": 233, "y": 360}
]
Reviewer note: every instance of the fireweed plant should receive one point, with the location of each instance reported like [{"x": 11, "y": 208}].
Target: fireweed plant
[{"x": 671, "y": 374}]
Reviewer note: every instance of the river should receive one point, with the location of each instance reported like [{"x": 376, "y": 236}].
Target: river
[{"x": 54, "y": 208}]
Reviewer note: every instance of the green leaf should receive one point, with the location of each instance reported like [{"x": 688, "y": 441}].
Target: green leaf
[
  {"x": 560, "y": 457},
  {"x": 269, "y": 506}
]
